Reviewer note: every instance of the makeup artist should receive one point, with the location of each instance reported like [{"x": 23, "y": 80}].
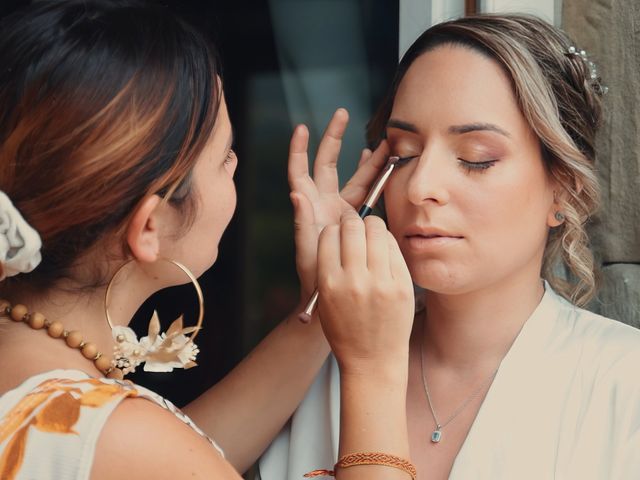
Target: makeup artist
[
  {"x": 494, "y": 118},
  {"x": 116, "y": 180}
]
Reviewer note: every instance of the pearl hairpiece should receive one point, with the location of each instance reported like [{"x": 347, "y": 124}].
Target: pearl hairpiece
[{"x": 593, "y": 71}]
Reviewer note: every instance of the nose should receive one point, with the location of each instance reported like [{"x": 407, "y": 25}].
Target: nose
[{"x": 428, "y": 182}]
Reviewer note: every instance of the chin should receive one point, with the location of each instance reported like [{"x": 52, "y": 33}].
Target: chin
[
  {"x": 199, "y": 264},
  {"x": 442, "y": 278},
  {"x": 206, "y": 265}
]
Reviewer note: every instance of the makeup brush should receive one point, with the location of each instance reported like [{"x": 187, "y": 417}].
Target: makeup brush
[{"x": 365, "y": 209}]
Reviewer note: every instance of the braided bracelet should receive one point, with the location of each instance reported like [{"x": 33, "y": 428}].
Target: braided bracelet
[{"x": 367, "y": 458}]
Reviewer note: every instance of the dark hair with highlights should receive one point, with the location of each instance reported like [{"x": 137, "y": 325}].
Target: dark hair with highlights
[{"x": 103, "y": 104}]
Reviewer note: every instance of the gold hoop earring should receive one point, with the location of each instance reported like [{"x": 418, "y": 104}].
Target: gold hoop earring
[{"x": 160, "y": 352}]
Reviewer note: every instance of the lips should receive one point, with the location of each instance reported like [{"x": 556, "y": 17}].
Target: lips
[
  {"x": 429, "y": 232},
  {"x": 433, "y": 236},
  {"x": 421, "y": 238}
]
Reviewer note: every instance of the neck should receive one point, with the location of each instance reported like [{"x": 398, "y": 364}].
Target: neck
[
  {"x": 83, "y": 312},
  {"x": 474, "y": 331}
]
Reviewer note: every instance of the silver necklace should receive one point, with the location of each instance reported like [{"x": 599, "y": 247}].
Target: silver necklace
[{"x": 436, "y": 436}]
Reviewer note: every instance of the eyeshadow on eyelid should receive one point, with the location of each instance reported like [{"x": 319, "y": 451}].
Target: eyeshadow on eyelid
[
  {"x": 490, "y": 151},
  {"x": 404, "y": 147}
]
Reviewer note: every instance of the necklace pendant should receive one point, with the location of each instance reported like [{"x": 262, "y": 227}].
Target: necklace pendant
[{"x": 436, "y": 436}]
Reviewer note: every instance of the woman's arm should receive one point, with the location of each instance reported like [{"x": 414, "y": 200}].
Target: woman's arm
[
  {"x": 366, "y": 305},
  {"x": 143, "y": 440},
  {"x": 373, "y": 419},
  {"x": 246, "y": 409},
  {"x": 366, "y": 309}
]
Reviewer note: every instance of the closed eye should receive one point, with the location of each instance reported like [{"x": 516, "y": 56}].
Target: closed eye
[
  {"x": 231, "y": 155},
  {"x": 477, "y": 166}
]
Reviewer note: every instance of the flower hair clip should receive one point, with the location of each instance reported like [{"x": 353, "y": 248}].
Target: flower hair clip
[
  {"x": 593, "y": 71},
  {"x": 20, "y": 243}
]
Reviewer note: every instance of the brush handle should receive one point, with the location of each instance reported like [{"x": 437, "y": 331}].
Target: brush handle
[{"x": 365, "y": 210}]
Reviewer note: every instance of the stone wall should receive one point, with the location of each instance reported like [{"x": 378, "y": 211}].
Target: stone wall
[{"x": 609, "y": 30}]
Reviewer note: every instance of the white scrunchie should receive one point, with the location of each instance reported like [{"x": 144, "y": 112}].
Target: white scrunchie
[{"x": 19, "y": 243}]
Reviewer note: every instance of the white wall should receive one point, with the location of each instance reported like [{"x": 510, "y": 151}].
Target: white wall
[
  {"x": 418, "y": 15},
  {"x": 550, "y": 10}
]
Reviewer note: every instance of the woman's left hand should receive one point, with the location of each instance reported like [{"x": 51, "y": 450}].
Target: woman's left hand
[{"x": 317, "y": 200}]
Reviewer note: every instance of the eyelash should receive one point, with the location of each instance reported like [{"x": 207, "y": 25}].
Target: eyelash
[
  {"x": 479, "y": 167},
  {"x": 230, "y": 157},
  {"x": 467, "y": 165},
  {"x": 403, "y": 160}
]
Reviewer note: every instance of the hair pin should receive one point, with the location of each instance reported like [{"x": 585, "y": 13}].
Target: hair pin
[{"x": 593, "y": 71}]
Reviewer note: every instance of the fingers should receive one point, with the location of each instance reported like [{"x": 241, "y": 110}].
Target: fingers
[
  {"x": 298, "y": 170},
  {"x": 328, "y": 252},
  {"x": 298, "y": 158},
  {"x": 377, "y": 246},
  {"x": 363, "y": 245},
  {"x": 305, "y": 234},
  {"x": 355, "y": 190},
  {"x": 353, "y": 248},
  {"x": 325, "y": 171},
  {"x": 364, "y": 156},
  {"x": 365, "y": 312}
]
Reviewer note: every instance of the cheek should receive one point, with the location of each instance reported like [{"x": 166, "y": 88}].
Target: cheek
[
  {"x": 525, "y": 199},
  {"x": 394, "y": 205},
  {"x": 233, "y": 202},
  {"x": 511, "y": 217},
  {"x": 222, "y": 204}
]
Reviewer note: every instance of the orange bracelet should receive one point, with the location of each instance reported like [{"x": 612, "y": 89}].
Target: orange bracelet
[{"x": 367, "y": 458}]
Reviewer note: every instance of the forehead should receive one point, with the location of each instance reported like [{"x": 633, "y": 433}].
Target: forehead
[
  {"x": 222, "y": 130},
  {"x": 221, "y": 136},
  {"x": 456, "y": 85},
  {"x": 223, "y": 122}
]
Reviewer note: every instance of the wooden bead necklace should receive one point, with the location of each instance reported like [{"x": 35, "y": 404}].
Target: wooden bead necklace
[{"x": 55, "y": 329}]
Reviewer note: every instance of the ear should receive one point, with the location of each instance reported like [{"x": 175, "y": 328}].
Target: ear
[
  {"x": 143, "y": 235},
  {"x": 555, "y": 215}
]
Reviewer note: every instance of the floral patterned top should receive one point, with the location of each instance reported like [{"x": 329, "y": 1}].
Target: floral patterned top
[{"x": 49, "y": 425}]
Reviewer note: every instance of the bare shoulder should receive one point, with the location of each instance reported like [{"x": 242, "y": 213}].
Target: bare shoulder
[{"x": 143, "y": 440}]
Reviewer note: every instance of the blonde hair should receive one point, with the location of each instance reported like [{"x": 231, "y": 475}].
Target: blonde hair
[{"x": 561, "y": 103}]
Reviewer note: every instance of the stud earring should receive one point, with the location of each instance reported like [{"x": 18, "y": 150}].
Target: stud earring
[{"x": 559, "y": 216}]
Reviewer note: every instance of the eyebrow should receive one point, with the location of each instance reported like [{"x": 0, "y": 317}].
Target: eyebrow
[
  {"x": 402, "y": 125},
  {"x": 454, "y": 129},
  {"x": 477, "y": 127}
]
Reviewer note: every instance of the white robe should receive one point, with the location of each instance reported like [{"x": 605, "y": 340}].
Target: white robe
[{"x": 565, "y": 404}]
